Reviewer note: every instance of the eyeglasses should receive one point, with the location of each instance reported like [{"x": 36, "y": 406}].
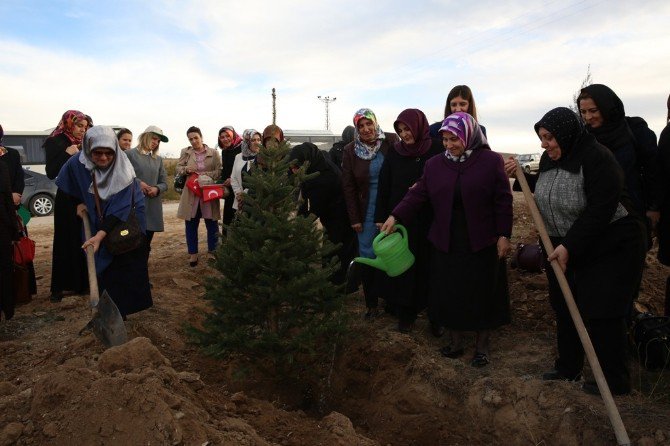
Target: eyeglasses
[{"x": 101, "y": 153}]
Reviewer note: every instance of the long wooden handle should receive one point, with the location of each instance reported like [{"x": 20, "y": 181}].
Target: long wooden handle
[
  {"x": 94, "y": 296},
  {"x": 610, "y": 406}
]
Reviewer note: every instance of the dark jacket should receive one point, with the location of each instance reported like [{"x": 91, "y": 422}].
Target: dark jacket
[
  {"x": 663, "y": 195},
  {"x": 13, "y": 161},
  {"x": 486, "y": 194},
  {"x": 227, "y": 161},
  {"x": 356, "y": 179},
  {"x": 398, "y": 174},
  {"x": 56, "y": 156}
]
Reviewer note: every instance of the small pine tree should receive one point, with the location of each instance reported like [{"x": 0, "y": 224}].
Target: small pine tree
[{"x": 275, "y": 301}]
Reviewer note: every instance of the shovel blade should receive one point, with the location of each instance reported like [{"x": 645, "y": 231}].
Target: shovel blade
[{"x": 107, "y": 324}]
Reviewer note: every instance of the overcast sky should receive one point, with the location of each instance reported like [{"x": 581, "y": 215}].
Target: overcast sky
[{"x": 212, "y": 63}]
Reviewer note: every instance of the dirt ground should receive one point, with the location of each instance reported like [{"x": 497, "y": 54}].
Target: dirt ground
[{"x": 386, "y": 388}]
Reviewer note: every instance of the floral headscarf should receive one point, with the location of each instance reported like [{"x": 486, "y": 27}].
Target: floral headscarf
[
  {"x": 466, "y": 128},
  {"x": 361, "y": 149},
  {"x": 247, "y": 153},
  {"x": 233, "y": 135},
  {"x": 67, "y": 122}
]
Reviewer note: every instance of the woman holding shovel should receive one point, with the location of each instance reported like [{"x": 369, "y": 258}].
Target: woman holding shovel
[
  {"x": 125, "y": 276},
  {"x": 599, "y": 243}
]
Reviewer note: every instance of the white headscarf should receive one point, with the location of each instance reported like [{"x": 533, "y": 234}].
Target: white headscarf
[{"x": 119, "y": 174}]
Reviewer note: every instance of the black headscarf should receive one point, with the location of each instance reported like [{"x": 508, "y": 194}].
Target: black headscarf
[
  {"x": 614, "y": 133},
  {"x": 316, "y": 158},
  {"x": 348, "y": 134},
  {"x": 569, "y": 132}
]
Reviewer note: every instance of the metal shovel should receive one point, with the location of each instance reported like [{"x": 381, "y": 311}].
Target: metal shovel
[{"x": 107, "y": 324}]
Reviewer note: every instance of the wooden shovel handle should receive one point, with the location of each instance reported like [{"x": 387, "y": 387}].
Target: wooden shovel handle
[
  {"x": 610, "y": 406},
  {"x": 94, "y": 296}
]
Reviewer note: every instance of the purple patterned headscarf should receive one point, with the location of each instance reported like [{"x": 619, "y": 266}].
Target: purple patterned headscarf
[{"x": 466, "y": 128}]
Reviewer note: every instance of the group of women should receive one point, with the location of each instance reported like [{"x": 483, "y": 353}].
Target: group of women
[{"x": 599, "y": 177}]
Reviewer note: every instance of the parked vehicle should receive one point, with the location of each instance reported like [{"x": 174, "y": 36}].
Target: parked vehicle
[
  {"x": 529, "y": 162},
  {"x": 39, "y": 194}
]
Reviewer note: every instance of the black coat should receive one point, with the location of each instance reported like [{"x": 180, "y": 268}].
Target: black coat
[
  {"x": 68, "y": 268},
  {"x": 13, "y": 161},
  {"x": 663, "y": 195}
]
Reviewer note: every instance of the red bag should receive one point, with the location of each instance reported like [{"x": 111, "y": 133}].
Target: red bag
[
  {"x": 24, "y": 248},
  {"x": 212, "y": 192},
  {"x": 193, "y": 185}
]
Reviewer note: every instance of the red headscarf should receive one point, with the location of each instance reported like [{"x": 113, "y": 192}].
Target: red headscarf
[
  {"x": 417, "y": 123},
  {"x": 66, "y": 125}
]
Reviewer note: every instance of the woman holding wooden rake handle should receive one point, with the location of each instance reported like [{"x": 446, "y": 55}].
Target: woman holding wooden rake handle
[{"x": 599, "y": 243}]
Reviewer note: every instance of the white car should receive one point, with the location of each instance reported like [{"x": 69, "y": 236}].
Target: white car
[{"x": 529, "y": 162}]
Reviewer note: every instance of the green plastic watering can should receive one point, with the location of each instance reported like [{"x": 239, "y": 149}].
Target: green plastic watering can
[{"x": 392, "y": 251}]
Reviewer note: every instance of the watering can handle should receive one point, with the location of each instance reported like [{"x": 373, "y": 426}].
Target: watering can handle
[{"x": 382, "y": 235}]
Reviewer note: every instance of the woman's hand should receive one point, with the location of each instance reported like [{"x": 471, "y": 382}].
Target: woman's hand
[
  {"x": 504, "y": 247},
  {"x": 82, "y": 211},
  {"x": 94, "y": 241},
  {"x": 74, "y": 148},
  {"x": 510, "y": 167},
  {"x": 16, "y": 197},
  {"x": 226, "y": 183},
  {"x": 358, "y": 227},
  {"x": 152, "y": 191},
  {"x": 389, "y": 225},
  {"x": 561, "y": 255}
]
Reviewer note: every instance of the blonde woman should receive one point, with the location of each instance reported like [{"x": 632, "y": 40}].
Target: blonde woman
[{"x": 151, "y": 173}]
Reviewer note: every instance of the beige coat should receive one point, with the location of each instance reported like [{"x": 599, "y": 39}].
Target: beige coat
[{"x": 212, "y": 169}]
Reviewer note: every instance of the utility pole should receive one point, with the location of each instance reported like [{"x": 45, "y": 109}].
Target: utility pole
[
  {"x": 327, "y": 100},
  {"x": 274, "y": 107}
]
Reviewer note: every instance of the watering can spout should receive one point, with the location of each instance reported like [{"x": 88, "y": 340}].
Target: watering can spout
[{"x": 375, "y": 263}]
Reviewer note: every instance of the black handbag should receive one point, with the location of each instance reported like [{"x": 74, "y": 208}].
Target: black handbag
[
  {"x": 125, "y": 236},
  {"x": 650, "y": 336},
  {"x": 180, "y": 182}
]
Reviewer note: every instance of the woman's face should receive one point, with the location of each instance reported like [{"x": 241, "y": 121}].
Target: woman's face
[
  {"x": 225, "y": 140},
  {"x": 195, "y": 140},
  {"x": 458, "y": 104},
  {"x": 102, "y": 157},
  {"x": 591, "y": 113},
  {"x": 453, "y": 144},
  {"x": 367, "y": 131},
  {"x": 255, "y": 145},
  {"x": 549, "y": 144},
  {"x": 405, "y": 133},
  {"x": 155, "y": 141},
  {"x": 79, "y": 128},
  {"x": 126, "y": 141}
]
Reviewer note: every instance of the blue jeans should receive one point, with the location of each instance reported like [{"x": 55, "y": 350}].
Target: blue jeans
[{"x": 192, "y": 233}]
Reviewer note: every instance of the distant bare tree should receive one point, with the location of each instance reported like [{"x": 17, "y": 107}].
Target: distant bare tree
[{"x": 588, "y": 80}]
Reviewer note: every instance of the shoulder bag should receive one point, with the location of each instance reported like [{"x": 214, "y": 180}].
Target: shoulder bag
[
  {"x": 24, "y": 247},
  {"x": 125, "y": 236}
]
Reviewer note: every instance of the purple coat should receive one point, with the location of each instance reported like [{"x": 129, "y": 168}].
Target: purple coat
[{"x": 486, "y": 194}]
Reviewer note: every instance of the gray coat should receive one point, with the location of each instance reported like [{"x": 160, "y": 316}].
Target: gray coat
[{"x": 151, "y": 171}]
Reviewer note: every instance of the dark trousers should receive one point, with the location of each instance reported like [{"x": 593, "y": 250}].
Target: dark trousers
[
  {"x": 192, "y": 233},
  {"x": 609, "y": 341},
  {"x": 370, "y": 277}
]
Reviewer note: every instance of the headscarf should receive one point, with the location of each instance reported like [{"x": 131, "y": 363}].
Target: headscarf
[
  {"x": 273, "y": 131},
  {"x": 66, "y": 125},
  {"x": 466, "y": 128},
  {"x": 233, "y": 135},
  {"x": 667, "y": 104},
  {"x": 2, "y": 134},
  {"x": 119, "y": 174},
  {"x": 308, "y": 152},
  {"x": 361, "y": 149},
  {"x": 565, "y": 126},
  {"x": 417, "y": 123},
  {"x": 614, "y": 133},
  {"x": 247, "y": 153}
]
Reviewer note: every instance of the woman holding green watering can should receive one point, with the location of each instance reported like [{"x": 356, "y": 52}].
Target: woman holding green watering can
[
  {"x": 402, "y": 167},
  {"x": 472, "y": 203}
]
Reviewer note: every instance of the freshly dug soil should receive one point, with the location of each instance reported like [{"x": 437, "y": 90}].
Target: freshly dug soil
[{"x": 384, "y": 387}]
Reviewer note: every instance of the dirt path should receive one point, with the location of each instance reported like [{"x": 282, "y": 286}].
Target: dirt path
[{"x": 57, "y": 387}]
